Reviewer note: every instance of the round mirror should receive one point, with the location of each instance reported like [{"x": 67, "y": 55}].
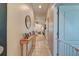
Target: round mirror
[{"x": 28, "y": 21}]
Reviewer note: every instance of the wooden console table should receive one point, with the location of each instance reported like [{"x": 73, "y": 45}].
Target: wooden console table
[{"x": 24, "y": 43}]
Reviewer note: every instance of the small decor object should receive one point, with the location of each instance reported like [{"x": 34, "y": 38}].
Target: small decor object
[
  {"x": 1, "y": 49},
  {"x": 28, "y": 21}
]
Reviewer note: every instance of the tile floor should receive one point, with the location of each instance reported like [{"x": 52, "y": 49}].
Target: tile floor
[{"x": 41, "y": 48}]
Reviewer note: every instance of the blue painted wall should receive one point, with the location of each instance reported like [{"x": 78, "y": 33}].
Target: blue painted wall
[
  {"x": 68, "y": 27},
  {"x": 3, "y": 27}
]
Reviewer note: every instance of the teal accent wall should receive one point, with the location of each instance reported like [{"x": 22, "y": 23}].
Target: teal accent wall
[{"x": 3, "y": 27}]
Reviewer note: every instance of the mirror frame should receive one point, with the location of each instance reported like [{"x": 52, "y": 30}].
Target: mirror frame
[{"x": 27, "y": 19}]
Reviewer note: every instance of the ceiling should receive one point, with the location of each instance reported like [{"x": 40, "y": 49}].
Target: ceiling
[{"x": 40, "y": 11}]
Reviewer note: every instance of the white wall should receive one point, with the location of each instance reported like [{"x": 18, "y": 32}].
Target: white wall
[
  {"x": 16, "y": 26},
  {"x": 50, "y": 28},
  {"x": 55, "y": 29}
]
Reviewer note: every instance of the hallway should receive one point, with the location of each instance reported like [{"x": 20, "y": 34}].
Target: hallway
[
  {"x": 41, "y": 46},
  {"x": 30, "y": 22},
  {"x": 43, "y": 29}
]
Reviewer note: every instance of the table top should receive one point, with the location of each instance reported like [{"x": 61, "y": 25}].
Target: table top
[{"x": 25, "y": 41}]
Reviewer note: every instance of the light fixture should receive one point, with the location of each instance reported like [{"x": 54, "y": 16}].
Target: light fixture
[{"x": 40, "y": 6}]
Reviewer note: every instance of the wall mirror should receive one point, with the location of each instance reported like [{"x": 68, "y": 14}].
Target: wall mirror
[{"x": 27, "y": 21}]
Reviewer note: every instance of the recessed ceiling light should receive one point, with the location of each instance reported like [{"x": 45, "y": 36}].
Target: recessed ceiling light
[{"x": 40, "y": 6}]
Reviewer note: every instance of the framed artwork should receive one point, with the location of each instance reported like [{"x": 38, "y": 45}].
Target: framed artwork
[{"x": 28, "y": 21}]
